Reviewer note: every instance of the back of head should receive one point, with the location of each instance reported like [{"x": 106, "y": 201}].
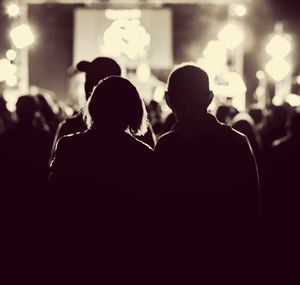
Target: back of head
[
  {"x": 257, "y": 114},
  {"x": 96, "y": 70},
  {"x": 116, "y": 105},
  {"x": 188, "y": 88},
  {"x": 26, "y": 108},
  {"x": 226, "y": 113}
]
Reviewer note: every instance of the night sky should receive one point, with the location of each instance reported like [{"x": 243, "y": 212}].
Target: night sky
[{"x": 53, "y": 53}]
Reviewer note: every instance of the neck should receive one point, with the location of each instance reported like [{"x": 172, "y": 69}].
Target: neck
[{"x": 191, "y": 116}]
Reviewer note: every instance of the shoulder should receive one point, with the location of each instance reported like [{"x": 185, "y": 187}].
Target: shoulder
[
  {"x": 231, "y": 135},
  {"x": 140, "y": 145},
  {"x": 72, "y": 124},
  {"x": 73, "y": 140}
]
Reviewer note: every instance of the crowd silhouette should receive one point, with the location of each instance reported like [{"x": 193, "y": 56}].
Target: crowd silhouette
[{"x": 114, "y": 172}]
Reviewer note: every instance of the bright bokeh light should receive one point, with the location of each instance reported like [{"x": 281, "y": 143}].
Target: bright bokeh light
[
  {"x": 231, "y": 84},
  {"x": 12, "y": 69},
  {"x": 278, "y": 47},
  {"x": 260, "y": 75},
  {"x": 11, "y": 54},
  {"x": 159, "y": 94},
  {"x": 22, "y": 36},
  {"x": 12, "y": 81},
  {"x": 240, "y": 10},
  {"x": 293, "y": 100},
  {"x": 277, "y": 100},
  {"x": 13, "y": 10},
  {"x": 231, "y": 36},
  {"x": 215, "y": 50},
  {"x": 126, "y": 36},
  {"x": 278, "y": 69},
  {"x": 4, "y": 69},
  {"x": 143, "y": 72},
  {"x": 298, "y": 79}
]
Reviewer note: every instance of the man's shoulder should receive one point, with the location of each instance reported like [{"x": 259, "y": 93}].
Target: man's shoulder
[{"x": 166, "y": 137}]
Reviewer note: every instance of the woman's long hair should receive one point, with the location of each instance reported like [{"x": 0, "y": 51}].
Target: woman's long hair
[{"x": 116, "y": 105}]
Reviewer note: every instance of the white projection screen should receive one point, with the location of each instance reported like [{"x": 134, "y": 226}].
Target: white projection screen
[{"x": 130, "y": 36}]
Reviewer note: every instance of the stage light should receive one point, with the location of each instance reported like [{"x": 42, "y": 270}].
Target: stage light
[
  {"x": 260, "y": 75},
  {"x": 12, "y": 81},
  {"x": 4, "y": 68},
  {"x": 125, "y": 36},
  {"x": 293, "y": 100},
  {"x": 278, "y": 69},
  {"x": 240, "y": 10},
  {"x": 278, "y": 47},
  {"x": 11, "y": 54},
  {"x": 231, "y": 36},
  {"x": 143, "y": 72},
  {"x": 215, "y": 50},
  {"x": 277, "y": 100},
  {"x": 159, "y": 94},
  {"x": 13, "y": 10},
  {"x": 22, "y": 36}
]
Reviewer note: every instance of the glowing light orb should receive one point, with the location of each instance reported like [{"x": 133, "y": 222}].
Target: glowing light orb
[
  {"x": 22, "y": 36},
  {"x": 278, "y": 47},
  {"x": 240, "y": 10},
  {"x": 13, "y": 10},
  {"x": 260, "y": 74},
  {"x": 278, "y": 69},
  {"x": 231, "y": 36},
  {"x": 11, "y": 54}
]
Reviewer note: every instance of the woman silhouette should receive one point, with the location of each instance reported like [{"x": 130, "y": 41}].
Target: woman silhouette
[{"x": 106, "y": 157}]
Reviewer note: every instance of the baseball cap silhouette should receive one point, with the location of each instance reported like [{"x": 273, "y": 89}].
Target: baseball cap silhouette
[{"x": 100, "y": 66}]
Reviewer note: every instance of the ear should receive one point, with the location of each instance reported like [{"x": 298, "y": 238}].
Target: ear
[
  {"x": 168, "y": 100},
  {"x": 210, "y": 97}
]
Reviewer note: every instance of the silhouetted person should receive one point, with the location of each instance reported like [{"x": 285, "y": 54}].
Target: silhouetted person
[
  {"x": 47, "y": 115},
  {"x": 96, "y": 70},
  {"x": 25, "y": 150},
  {"x": 283, "y": 190},
  {"x": 243, "y": 123},
  {"x": 99, "y": 175},
  {"x": 274, "y": 125},
  {"x": 106, "y": 155},
  {"x": 6, "y": 120},
  {"x": 225, "y": 113},
  {"x": 205, "y": 167}
]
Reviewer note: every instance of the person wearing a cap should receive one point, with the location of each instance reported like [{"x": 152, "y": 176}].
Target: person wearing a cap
[{"x": 95, "y": 71}]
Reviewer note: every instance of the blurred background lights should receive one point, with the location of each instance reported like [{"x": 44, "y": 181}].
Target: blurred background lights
[
  {"x": 159, "y": 94},
  {"x": 11, "y": 54},
  {"x": 215, "y": 50},
  {"x": 278, "y": 69},
  {"x": 231, "y": 36},
  {"x": 143, "y": 72},
  {"x": 278, "y": 47},
  {"x": 240, "y": 10},
  {"x": 22, "y": 36},
  {"x": 293, "y": 100},
  {"x": 277, "y": 100},
  {"x": 4, "y": 68},
  {"x": 260, "y": 75},
  {"x": 13, "y": 10},
  {"x": 12, "y": 81}
]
